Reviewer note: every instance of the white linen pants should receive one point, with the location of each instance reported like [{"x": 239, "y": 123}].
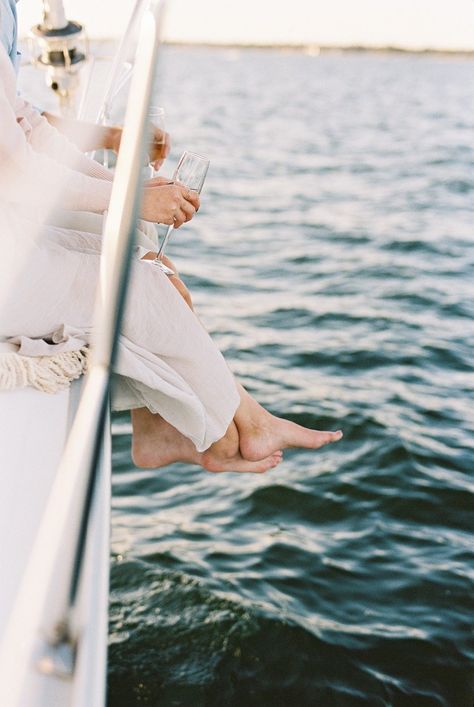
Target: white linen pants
[{"x": 166, "y": 361}]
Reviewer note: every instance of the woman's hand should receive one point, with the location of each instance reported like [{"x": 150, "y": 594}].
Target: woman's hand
[
  {"x": 158, "y": 149},
  {"x": 173, "y": 204},
  {"x": 157, "y": 181},
  {"x": 88, "y": 136},
  {"x": 112, "y": 138}
]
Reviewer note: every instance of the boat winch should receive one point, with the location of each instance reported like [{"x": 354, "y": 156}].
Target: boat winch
[{"x": 59, "y": 47}]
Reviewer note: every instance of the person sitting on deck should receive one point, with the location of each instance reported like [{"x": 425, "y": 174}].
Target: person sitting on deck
[{"x": 185, "y": 404}]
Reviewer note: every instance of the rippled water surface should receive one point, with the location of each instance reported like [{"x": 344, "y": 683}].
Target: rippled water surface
[{"x": 333, "y": 261}]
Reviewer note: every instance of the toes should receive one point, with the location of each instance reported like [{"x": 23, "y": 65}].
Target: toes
[
  {"x": 328, "y": 437},
  {"x": 243, "y": 466},
  {"x": 275, "y": 459}
]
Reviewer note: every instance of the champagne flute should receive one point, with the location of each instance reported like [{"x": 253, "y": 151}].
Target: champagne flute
[
  {"x": 191, "y": 171},
  {"x": 156, "y": 119}
]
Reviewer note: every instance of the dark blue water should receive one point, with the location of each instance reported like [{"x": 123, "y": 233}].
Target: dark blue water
[{"x": 333, "y": 261}]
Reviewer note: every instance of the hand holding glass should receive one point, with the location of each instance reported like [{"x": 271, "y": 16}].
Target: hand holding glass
[{"x": 190, "y": 172}]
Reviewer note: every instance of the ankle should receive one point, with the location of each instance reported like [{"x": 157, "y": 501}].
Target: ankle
[
  {"x": 250, "y": 446},
  {"x": 141, "y": 457}
]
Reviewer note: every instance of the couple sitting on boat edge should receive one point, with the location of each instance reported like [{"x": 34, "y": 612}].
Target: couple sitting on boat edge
[{"x": 185, "y": 403}]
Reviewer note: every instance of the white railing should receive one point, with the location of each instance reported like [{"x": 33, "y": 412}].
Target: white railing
[
  {"x": 29, "y": 644},
  {"x": 121, "y": 68}
]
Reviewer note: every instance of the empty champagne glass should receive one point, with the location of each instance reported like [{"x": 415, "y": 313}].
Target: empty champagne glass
[{"x": 191, "y": 172}]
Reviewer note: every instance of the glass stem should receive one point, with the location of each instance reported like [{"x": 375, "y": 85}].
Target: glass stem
[{"x": 165, "y": 240}]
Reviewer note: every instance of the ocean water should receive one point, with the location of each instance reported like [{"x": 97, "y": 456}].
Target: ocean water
[{"x": 333, "y": 262}]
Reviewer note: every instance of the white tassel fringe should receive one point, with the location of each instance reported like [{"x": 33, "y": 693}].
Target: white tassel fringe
[{"x": 49, "y": 374}]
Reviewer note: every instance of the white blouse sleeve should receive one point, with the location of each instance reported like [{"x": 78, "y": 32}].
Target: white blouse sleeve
[
  {"x": 31, "y": 177},
  {"x": 44, "y": 137}
]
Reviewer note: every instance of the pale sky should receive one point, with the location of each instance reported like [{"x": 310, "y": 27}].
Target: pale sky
[{"x": 416, "y": 24}]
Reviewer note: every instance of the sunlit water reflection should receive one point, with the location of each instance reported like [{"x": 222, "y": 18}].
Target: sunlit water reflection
[{"x": 333, "y": 261}]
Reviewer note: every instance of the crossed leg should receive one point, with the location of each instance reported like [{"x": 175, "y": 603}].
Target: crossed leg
[
  {"x": 252, "y": 442},
  {"x": 156, "y": 443}
]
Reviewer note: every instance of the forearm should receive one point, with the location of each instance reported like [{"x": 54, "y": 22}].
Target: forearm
[
  {"x": 86, "y": 136},
  {"x": 32, "y": 177}
]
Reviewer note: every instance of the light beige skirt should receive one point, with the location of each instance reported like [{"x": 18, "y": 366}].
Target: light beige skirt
[{"x": 166, "y": 361}]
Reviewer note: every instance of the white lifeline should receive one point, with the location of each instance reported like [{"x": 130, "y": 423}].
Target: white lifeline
[{"x": 49, "y": 275}]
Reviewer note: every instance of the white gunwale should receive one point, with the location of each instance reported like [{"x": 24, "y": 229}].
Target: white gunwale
[{"x": 38, "y": 597}]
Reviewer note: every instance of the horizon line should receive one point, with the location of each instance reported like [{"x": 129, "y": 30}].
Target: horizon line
[{"x": 312, "y": 48}]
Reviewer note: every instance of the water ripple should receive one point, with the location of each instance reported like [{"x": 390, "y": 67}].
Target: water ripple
[{"x": 334, "y": 267}]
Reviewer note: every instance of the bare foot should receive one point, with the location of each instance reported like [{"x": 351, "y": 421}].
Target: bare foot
[
  {"x": 239, "y": 464},
  {"x": 261, "y": 433},
  {"x": 156, "y": 443}
]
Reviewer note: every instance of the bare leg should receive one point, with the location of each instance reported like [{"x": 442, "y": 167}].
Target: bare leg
[
  {"x": 174, "y": 279},
  {"x": 253, "y": 441},
  {"x": 156, "y": 443},
  {"x": 255, "y": 433}
]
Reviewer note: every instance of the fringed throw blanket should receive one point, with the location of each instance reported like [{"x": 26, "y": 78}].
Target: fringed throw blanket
[{"x": 49, "y": 374}]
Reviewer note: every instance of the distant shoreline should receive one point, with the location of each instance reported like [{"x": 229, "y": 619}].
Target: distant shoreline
[
  {"x": 315, "y": 49},
  {"x": 312, "y": 49}
]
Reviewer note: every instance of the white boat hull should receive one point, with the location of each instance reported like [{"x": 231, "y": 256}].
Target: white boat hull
[{"x": 33, "y": 431}]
